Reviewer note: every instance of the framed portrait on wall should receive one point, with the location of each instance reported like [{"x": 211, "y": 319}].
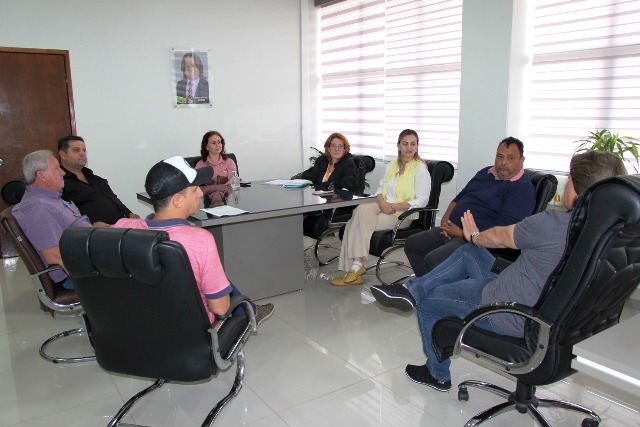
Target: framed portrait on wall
[{"x": 191, "y": 77}]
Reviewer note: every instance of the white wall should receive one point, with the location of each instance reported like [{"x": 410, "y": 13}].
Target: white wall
[
  {"x": 121, "y": 71},
  {"x": 484, "y": 87}
]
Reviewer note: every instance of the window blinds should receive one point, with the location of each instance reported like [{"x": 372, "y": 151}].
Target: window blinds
[
  {"x": 585, "y": 75},
  {"x": 391, "y": 65}
]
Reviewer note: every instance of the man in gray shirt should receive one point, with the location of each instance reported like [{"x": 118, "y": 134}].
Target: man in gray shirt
[{"x": 464, "y": 281}]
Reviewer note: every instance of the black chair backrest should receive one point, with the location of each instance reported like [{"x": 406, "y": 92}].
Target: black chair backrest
[
  {"x": 195, "y": 159},
  {"x": 365, "y": 164},
  {"x": 142, "y": 307},
  {"x": 598, "y": 271},
  {"x": 440, "y": 172},
  {"x": 33, "y": 262},
  {"x": 545, "y": 184},
  {"x": 13, "y": 191}
]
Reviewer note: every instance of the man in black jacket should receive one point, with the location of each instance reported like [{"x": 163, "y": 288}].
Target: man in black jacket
[{"x": 91, "y": 193}]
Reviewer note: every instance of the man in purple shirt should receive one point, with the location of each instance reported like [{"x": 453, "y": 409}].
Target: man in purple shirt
[{"x": 42, "y": 214}]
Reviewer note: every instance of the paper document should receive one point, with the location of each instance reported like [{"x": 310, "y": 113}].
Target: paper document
[
  {"x": 322, "y": 192},
  {"x": 224, "y": 211},
  {"x": 290, "y": 183}
]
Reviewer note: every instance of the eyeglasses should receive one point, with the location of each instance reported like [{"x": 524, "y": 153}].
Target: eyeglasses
[
  {"x": 215, "y": 142},
  {"x": 337, "y": 146}
]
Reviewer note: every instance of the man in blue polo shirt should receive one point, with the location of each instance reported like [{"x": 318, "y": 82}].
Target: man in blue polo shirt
[{"x": 497, "y": 195}]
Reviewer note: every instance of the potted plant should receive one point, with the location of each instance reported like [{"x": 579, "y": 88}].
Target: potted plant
[{"x": 624, "y": 147}]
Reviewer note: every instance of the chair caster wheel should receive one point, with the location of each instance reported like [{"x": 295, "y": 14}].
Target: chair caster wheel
[
  {"x": 463, "y": 394},
  {"x": 590, "y": 422}
]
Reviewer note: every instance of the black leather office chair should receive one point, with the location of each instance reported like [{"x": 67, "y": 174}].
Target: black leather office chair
[
  {"x": 546, "y": 185},
  {"x": 385, "y": 242},
  {"x": 583, "y": 296},
  {"x": 143, "y": 312},
  {"x": 195, "y": 159},
  {"x": 321, "y": 226},
  {"x": 53, "y": 297}
]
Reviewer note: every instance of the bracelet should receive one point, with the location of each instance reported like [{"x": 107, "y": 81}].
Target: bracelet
[{"x": 473, "y": 238}]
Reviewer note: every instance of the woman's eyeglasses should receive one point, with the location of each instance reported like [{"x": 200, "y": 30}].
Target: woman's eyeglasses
[{"x": 337, "y": 146}]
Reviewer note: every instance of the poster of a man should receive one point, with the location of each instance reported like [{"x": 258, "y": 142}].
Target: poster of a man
[{"x": 192, "y": 86}]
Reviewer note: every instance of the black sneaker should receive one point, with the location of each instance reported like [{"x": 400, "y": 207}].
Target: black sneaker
[
  {"x": 421, "y": 375},
  {"x": 396, "y": 296}
]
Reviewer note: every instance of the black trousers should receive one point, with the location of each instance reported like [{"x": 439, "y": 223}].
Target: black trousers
[{"x": 427, "y": 249}]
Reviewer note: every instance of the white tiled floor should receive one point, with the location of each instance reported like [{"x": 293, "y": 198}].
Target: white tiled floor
[{"x": 330, "y": 356}]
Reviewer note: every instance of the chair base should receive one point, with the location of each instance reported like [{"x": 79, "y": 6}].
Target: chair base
[
  {"x": 524, "y": 401},
  {"x": 383, "y": 260},
  {"x": 333, "y": 228},
  {"x": 55, "y": 359},
  {"x": 316, "y": 253},
  {"x": 235, "y": 389}
]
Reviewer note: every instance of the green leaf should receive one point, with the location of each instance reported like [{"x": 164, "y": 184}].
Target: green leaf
[{"x": 604, "y": 140}]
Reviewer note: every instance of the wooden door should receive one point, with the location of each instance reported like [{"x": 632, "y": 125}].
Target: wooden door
[{"x": 36, "y": 107}]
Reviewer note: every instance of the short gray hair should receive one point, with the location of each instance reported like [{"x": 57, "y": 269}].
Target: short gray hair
[{"x": 34, "y": 162}]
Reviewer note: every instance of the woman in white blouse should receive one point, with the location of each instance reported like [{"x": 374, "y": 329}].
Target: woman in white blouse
[{"x": 406, "y": 184}]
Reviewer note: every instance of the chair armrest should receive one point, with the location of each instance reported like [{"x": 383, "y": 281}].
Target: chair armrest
[
  {"x": 52, "y": 267},
  {"x": 236, "y": 301},
  {"x": 504, "y": 365},
  {"x": 218, "y": 329},
  {"x": 404, "y": 215},
  {"x": 411, "y": 211},
  {"x": 45, "y": 299}
]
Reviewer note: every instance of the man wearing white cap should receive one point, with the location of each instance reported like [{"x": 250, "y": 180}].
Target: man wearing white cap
[{"x": 174, "y": 189}]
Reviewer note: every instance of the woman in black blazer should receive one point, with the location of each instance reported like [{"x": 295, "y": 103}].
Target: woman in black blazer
[{"x": 336, "y": 169}]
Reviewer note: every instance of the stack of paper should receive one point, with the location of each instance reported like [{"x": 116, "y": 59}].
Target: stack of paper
[
  {"x": 224, "y": 211},
  {"x": 290, "y": 183}
]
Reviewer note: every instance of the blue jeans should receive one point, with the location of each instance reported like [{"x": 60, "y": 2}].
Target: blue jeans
[
  {"x": 453, "y": 288},
  {"x": 67, "y": 283}
]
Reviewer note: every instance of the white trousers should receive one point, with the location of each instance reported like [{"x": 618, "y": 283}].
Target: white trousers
[{"x": 366, "y": 219}]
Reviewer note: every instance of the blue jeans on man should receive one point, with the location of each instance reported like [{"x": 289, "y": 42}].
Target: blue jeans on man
[{"x": 453, "y": 288}]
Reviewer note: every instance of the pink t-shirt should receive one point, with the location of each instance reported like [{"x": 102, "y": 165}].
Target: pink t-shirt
[
  {"x": 201, "y": 249},
  {"x": 223, "y": 168}
]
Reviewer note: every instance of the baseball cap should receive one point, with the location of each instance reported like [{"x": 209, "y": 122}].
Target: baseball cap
[{"x": 173, "y": 175}]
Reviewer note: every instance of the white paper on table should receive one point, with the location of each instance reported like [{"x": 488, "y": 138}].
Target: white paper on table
[
  {"x": 224, "y": 211},
  {"x": 292, "y": 183}
]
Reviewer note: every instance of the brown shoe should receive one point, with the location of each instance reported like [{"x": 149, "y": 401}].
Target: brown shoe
[
  {"x": 263, "y": 312},
  {"x": 340, "y": 281},
  {"x": 351, "y": 278}
]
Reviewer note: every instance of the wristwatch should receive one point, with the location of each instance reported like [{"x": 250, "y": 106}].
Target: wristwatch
[{"x": 473, "y": 238}]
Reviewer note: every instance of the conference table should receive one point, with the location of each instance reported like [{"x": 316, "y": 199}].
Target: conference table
[{"x": 262, "y": 250}]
